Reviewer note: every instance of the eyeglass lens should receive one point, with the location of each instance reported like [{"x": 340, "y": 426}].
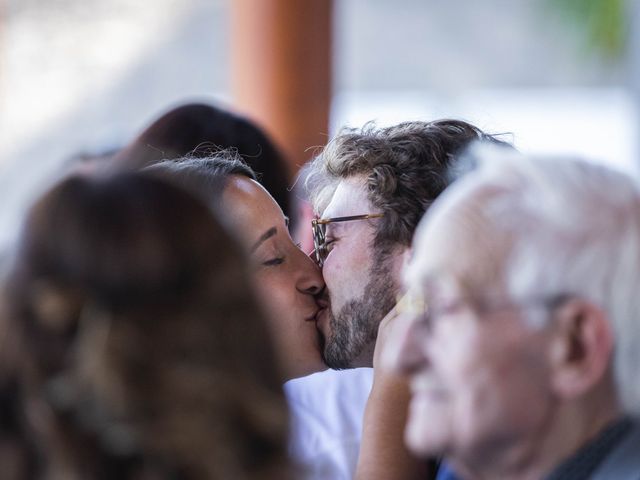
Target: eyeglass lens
[{"x": 319, "y": 231}]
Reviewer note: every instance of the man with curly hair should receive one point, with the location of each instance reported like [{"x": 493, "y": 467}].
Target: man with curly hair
[{"x": 371, "y": 187}]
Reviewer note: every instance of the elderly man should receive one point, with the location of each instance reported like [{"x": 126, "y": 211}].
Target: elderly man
[{"x": 520, "y": 335}]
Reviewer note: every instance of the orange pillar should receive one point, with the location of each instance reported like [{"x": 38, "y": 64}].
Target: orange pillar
[
  {"x": 3, "y": 51},
  {"x": 281, "y": 70}
]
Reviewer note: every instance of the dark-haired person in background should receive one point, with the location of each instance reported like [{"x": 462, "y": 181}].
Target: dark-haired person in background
[
  {"x": 200, "y": 129},
  {"x": 371, "y": 187}
]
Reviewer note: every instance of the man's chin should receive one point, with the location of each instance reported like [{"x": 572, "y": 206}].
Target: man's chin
[
  {"x": 333, "y": 361},
  {"x": 334, "y": 356}
]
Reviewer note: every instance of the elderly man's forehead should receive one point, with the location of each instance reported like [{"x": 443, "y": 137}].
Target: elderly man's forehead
[
  {"x": 432, "y": 268},
  {"x": 432, "y": 283},
  {"x": 457, "y": 242}
]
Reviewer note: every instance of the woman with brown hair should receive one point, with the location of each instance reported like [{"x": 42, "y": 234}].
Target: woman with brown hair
[
  {"x": 133, "y": 347},
  {"x": 287, "y": 281}
]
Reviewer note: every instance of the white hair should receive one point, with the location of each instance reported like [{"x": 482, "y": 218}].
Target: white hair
[{"x": 575, "y": 230}]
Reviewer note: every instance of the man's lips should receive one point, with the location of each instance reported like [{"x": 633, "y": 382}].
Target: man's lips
[
  {"x": 322, "y": 302},
  {"x": 321, "y": 317}
]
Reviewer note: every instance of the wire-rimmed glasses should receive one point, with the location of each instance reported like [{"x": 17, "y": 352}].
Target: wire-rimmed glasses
[{"x": 319, "y": 227}]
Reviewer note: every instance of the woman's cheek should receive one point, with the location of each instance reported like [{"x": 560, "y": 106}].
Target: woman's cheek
[{"x": 272, "y": 293}]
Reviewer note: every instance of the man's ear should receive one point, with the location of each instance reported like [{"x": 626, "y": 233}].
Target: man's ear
[
  {"x": 581, "y": 347},
  {"x": 401, "y": 256}
]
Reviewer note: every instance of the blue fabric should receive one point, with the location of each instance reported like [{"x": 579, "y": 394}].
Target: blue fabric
[
  {"x": 583, "y": 463},
  {"x": 613, "y": 455},
  {"x": 445, "y": 473}
]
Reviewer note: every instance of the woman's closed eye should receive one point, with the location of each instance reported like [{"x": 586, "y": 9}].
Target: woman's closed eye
[{"x": 272, "y": 262}]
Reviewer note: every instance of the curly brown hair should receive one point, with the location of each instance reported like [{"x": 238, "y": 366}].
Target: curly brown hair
[
  {"x": 133, "y": 344},
  {"x": 406, "y": 166}
]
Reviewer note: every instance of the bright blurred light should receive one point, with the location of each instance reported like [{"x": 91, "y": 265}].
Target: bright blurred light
[{"x": 598, "y": 124}]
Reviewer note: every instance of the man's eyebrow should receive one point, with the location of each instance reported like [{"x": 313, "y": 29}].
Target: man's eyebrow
[
  {"x": 333, "y": 226},
  {"x": 264, "y": 237}
]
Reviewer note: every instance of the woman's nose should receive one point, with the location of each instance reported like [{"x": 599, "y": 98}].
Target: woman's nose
[{"x": 310, "y": 281}]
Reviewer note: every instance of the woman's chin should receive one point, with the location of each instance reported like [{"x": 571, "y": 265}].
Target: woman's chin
[{"x": 298, "y": 369}]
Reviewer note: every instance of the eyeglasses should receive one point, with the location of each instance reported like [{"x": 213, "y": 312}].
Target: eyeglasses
[
  {"x": 414, "y": 304},
  {"x": 319, "y": 227}
]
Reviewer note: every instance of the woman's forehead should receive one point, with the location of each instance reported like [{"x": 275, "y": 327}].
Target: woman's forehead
[
  {"x": 243, "y": 193},
  {"x": 250, "y": 210}
]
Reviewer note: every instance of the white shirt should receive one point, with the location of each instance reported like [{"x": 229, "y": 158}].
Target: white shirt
[{"x": 326, "y": 421}]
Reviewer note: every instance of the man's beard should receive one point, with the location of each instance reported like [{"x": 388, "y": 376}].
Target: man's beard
[{"x": 355, "y": 326}]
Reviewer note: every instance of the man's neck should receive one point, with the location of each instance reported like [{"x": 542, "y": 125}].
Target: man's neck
[
  {"x": 536, "y": 456},
  {"x": 365, "y": 359}
]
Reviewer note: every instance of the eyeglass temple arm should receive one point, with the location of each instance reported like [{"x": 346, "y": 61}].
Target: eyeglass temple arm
[{"x": 321, "y": 221}]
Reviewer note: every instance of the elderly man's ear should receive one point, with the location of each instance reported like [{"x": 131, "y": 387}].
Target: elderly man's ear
[{"x": 581, "y": 348}]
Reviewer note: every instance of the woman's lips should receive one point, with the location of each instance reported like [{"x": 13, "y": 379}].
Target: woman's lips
[{"x": 312, "y": 317}]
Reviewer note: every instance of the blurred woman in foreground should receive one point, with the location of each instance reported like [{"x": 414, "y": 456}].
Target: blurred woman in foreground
[{"x": 133, "y": 345}]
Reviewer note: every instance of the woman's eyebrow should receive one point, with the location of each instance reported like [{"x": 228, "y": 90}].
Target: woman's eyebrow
[{"x": 264, "y": 237}]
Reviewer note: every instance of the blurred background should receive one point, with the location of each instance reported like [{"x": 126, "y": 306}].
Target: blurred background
[{"x": 82, "y": 77}]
